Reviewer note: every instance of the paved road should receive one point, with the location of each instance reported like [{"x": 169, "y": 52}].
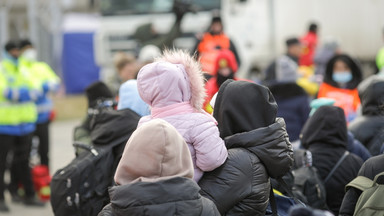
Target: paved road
[{"x": 61, "y": 154}]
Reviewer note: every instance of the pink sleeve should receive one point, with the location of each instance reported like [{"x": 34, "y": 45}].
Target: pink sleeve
[{"x": 209, "y": 147}]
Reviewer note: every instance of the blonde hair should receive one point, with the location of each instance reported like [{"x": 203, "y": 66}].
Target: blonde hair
[{"x": 121, "y": 59}]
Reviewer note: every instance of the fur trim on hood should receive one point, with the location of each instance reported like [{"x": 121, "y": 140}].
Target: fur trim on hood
[{"x": 193, "y": 70}]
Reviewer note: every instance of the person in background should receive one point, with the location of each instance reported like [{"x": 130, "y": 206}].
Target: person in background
[
  {"x": 174, "y": 88},
  {"x": 322, "y": 55},
  {"x": 288, "y": 62},
  {"x": 97, "y": 93},
  {"x": 18, "y": 116},
  {"x": 49, "y": 82},
  {"x": 129, "y": 98},
  {"x": 353, "y": 145},
  {"x": 368, "y": 128},
  {"x": 370, "y": 169},
  {"x": 292, "y": 99},
  {"x": 309, "y": 42},
  {"x": 258, "y": 148},
  {"x": 380, "y": 58},
  {"x": 154, "y": 176},
  {"x": 342, "y": 76},
  {"x": 225, "y": 68},
  {"x": 210, "y": 45},
  {"x": 325, "y": 136},
  {"x": 126, "y": 66}
]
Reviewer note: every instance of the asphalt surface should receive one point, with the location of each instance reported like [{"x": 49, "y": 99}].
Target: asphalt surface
[{"x": 61, "y": 153}]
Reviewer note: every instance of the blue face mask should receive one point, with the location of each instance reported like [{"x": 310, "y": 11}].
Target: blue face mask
[{"x": 342, "y": 77}]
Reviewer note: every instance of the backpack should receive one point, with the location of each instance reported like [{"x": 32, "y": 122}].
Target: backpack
[
  {"x": 371, "y": 200},
  {"x": 81, "y": 188},
  {"x": 308, "y": 186}
]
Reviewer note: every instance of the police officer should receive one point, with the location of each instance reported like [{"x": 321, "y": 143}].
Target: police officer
[
  {"x": 49, "y": 82},
  {"x": 17, "y": 122}
]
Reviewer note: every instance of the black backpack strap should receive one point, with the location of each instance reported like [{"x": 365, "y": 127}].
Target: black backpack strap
[
  {"x": 272, "y": 201},
  {"x": 346, "y": 153}
]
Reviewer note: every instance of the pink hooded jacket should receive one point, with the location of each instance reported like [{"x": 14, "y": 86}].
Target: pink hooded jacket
[{"x": 174, "y": 87}]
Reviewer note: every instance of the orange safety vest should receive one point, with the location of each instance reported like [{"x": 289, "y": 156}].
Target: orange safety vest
[
  {"x": 208, "y": 50},
  {"x": 347, "y": 99}
]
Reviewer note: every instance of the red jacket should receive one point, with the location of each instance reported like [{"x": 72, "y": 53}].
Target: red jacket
[
  {"x": 211, "y": 85},
  {"x": 309, "y": 42}
]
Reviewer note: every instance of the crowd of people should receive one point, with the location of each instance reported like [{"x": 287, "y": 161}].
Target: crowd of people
[
  {"x": 312, "y": 97},
  {"x": 210, "y": 143}
]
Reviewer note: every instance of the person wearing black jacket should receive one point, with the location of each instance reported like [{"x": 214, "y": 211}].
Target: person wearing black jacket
[
  {"x": 154, "y": 176},
  {"x": 370, "y": 169},
  {"x": 369, "y": 127},
  {"x": 325, "y": 135},
  {"x": 258, "y": 148}
]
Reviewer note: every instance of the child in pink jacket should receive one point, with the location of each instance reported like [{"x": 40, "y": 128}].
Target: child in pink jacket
[{"x": 174, "y": 88}]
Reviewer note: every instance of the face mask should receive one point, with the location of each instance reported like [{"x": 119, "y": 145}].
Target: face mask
[
  {"x": 30, "y": 54},
  {"x": 342, "y": 77}
]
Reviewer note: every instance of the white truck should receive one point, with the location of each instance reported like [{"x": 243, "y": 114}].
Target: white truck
[{"x": 258, "y": 28}]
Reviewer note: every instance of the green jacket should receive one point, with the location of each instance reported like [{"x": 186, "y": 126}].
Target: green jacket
[
  {"x": 380, "y": 59},
  {"x": 45, "y": 77}
]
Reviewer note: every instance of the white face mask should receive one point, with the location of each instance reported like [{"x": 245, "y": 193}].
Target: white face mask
[{"x": 30, "y": 54}]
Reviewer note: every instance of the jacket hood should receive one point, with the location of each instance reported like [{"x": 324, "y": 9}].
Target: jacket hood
[
  {"x": 246, "y": 116},
  {"x": 371, "y": 93},
  {"x": 242, "y": 106},
  {"x": 352, "y": 64},
  {"x": 226, "y": 58},
  {"x": 326, "y": 126},
  {"x": 270, "y": 144},
  {"x": 158, "y": 198},
  {"x": 129, "y": 98},
  {"x": 103, "y": 126},
  {"x": 154, "y": 152},
  {"x": 175, "y": 77}
]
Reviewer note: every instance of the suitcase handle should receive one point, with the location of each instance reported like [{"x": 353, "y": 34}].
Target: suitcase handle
[{"x": 86, "y": 147}]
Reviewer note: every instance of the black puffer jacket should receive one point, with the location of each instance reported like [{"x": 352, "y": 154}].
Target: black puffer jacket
[
  {"x": 142, "y": 198},
  {"x": 325, "y": 135},
  {"x": 369, "y": 128},
  {"x": 258, "y": 147},
  {"x": 370, "y": 169}
]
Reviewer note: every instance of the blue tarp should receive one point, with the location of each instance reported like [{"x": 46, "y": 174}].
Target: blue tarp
[{"x": 79, "y": 67}]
